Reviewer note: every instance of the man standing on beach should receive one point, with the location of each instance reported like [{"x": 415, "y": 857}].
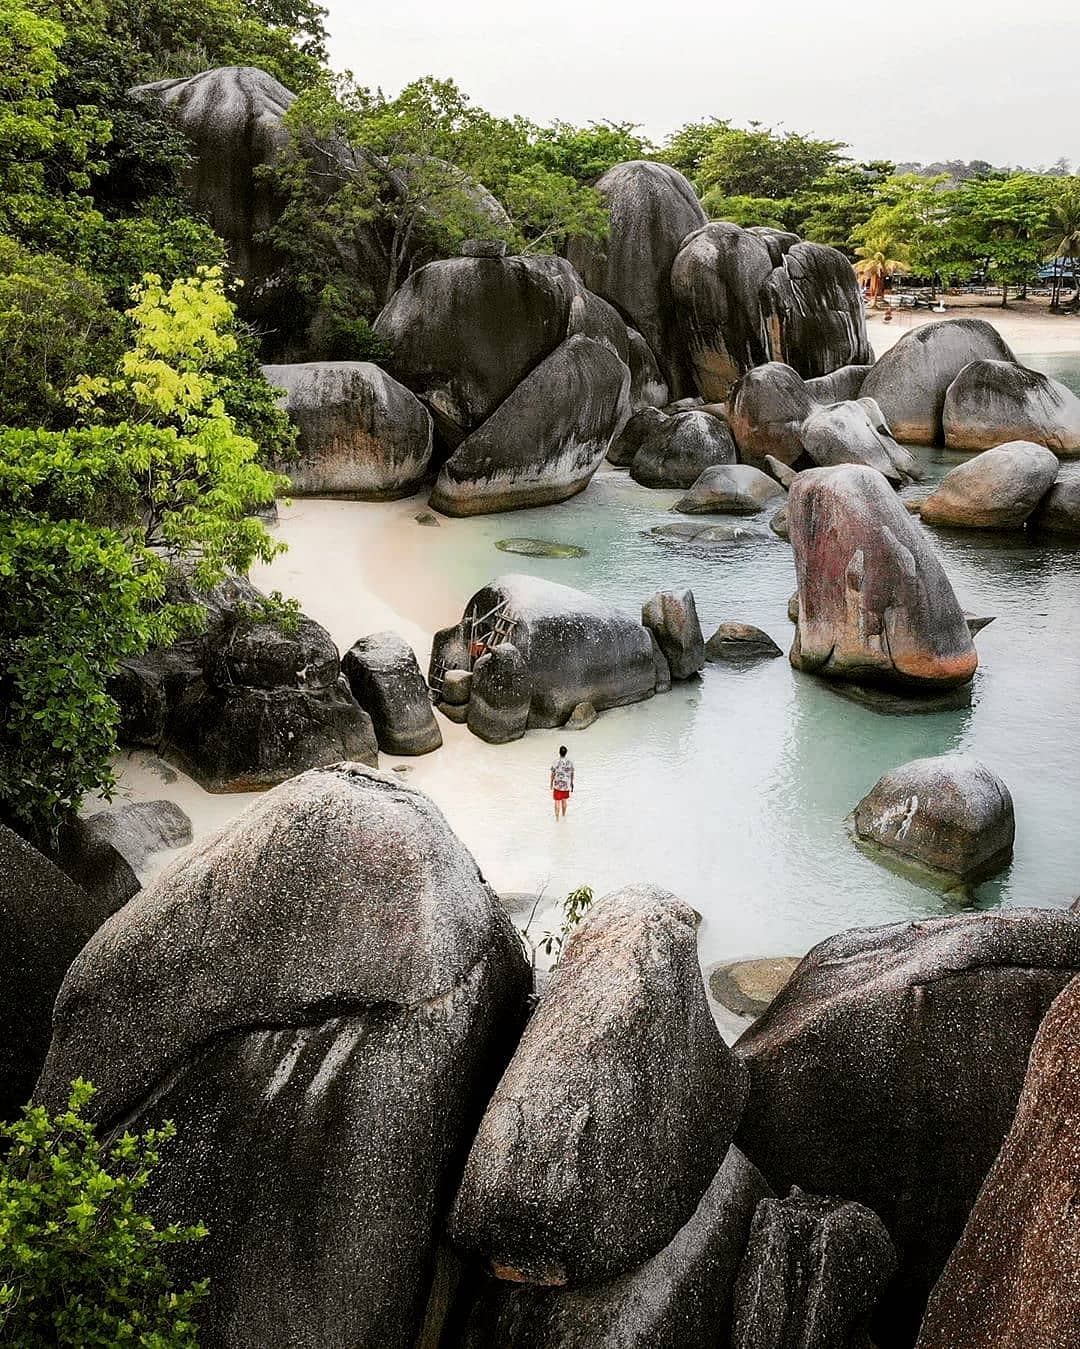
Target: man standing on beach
[{"x": 562, "y": 782}]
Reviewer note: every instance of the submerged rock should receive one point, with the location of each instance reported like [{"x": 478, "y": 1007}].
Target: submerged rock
[
  {"x": 994, "y": 401},
  {"x": 747, "y": 987},
  {"x": 910, "y": 381},
  {"x": 386, "y": 681},
  {"x": 1013, "y": 1279},
  {"x": 321, "y": 997},
  {"x": 651, "y": 209},
  {"x": 671, "y": 616},
  {"x": 951, "y": 814},
  {"x": 361, "y": 433},
  {"x": 875, "y": 605},
  {"x": 813, "y": 1271},
  {"x": 889, "y": 1068},
  {"x": 540, "y": 548},
  {"x": 739, "y": 642},
  {"x": 677, "y": 451},
  {"x": 680, "y": 1299},
  {"x": 45, "y": 920},
  {"x": 621, "y": 1075},
  {"x": 998, "y": 489},
  {"x": 729, "y": 489}
]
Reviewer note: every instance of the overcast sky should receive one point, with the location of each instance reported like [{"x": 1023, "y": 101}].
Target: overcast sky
[{"x": 915, "y": 80}]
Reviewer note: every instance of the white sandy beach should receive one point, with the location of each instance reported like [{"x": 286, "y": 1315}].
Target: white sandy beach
[{"x": 1027, "y": 325}]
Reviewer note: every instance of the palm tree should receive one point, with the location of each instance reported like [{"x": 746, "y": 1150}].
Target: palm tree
[
  {"x": 877, "y": 260},
  {"x": 1064, "y": 229}
]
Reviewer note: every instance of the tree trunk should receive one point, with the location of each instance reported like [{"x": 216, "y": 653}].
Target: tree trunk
[{"x": 1004, "y": 295}]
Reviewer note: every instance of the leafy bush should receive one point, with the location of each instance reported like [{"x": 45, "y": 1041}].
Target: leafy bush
[{"x": 80, "y": 1265}]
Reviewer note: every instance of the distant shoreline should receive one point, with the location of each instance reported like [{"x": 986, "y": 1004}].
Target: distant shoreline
[{"x": 1027, "y": 325}]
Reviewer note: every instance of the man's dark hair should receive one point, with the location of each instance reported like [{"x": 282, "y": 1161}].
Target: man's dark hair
[{"x": 562, "y": 749}]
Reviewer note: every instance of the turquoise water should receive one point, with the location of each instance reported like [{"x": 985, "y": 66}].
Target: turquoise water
[{"x": 732, "y": 790}]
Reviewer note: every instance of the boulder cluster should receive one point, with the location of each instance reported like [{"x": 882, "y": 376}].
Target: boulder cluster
[{"x": 394, "y": 1142}]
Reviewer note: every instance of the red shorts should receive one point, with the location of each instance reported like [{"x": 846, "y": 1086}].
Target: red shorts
[{"x": 561, "y": 796}]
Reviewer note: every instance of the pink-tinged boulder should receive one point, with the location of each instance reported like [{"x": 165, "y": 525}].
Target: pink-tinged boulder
[
  {"x": 875, "y": 605},
  {"x": 998, "y": 489},
  {"x": 991, "y": 402},
  {"x": 1013, "y": 1280}
]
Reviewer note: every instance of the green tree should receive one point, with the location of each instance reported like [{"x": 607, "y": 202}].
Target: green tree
[
  {"x": 836, "y": 204},
  {"x": 91, "y": 518},
  {"x": 914, "y": 215},
  {"x": 758, "y": 161},
  {"x": 1003, "y": 221},
  {"x": 1064, "y": 229},
  {"x": 876, "y": 261},
  {"x": 747, "y": 211},
  {"x": 80, "y": 1264},
  {"x": 585, "y": 153}
]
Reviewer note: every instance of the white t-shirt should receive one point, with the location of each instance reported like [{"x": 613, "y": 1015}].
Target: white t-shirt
[{"x": 562, "y": 774}]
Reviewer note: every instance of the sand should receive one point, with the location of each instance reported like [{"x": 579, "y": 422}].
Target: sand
[{"x": 1027, "y": 325}]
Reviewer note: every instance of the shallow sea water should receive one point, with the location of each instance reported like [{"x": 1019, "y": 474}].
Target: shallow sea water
[{"x": 732, "y": 790}]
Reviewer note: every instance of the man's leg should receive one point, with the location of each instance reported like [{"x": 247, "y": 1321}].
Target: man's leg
[{"x": 556, "y": 803}]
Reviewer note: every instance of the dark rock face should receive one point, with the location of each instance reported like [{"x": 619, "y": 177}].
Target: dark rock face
[
  {"x": 994, "y": 401},
  {"x": 546, "y": 440},
  {"x": 89, "y": 857},
  {"x": 648, "y": 387},
  {"x": 466, "y": 331},
  {"x": 524, "y": 371},
  {"x": 875, "y": 605},
  {"x": 767, "y": 410},
  {"x": 246, "y": 703},
  {"x": 1012, "y": 1279},
  {"x": 620, "y": 1075},
  {"x": 386, "y": 681},
  {"x": 361, "y": 433},
  {"x": 45, "y": 920},
  {"x": 889, "y": 1068},
  {"x": 652, "y": 208},
  {"x": 735, "y": 643},
  {"x": 778, "y": 523},
  {"x": 672, "y": 618},
  {"x": 320, "y": 997},
  {"x": 640, "y": 427},
  {"x": 1059, "y": 510},
  {"x": 660, "y": 664},
  {"x": 501, "y": 695},
  {"x": 680, "y": 1299},
  {"x": 812, "y": 1274},
  {"x": 997, "y": 490},
  {"x": 232, "y": 116},
  {"x": 745, "y": 298},
  {"x": 574, "y": 648},
  {"x": 854, "y": 433},
  {"x": 910, "y": 381},
  {"x": 729, "y": 489},
  {"x": 678, "y": 451},
  {"x": 950, "y": 813}
]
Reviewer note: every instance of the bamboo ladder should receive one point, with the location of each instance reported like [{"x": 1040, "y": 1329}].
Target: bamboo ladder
[{"x": 485, "y": 632}]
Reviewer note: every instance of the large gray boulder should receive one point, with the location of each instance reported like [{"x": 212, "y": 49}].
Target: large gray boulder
[
  {"x": 672, "y": 618},
  {"x": 138, "y": 830},
  {"x": 500, "y": 695},
  {"x": 839, "y": 386},
  {"x": 680, "y": 1299},
  {"x": 910, "y": 381},
  {"x": 651, "y": 209},
  {"x": 524, "y": 371},
  {"x": 889, "y": 1068},
  {"x": 546, "y": 439},
  {"x": 386, "y": 681},
  {"x": 648, "y": 387},
  {"x": 875, "y": 605},
  {"x": 361, "y": 433},
  {"x": 620, "y": 1076},
  {"x": 998, "y": 489},
  {"x": 730, "y": 489},
  {"x": 994, "y": 401},
  {"x": 638, "y": 429},
  {"x": 1011, "y": 1280},
  {"x": 767, "y": 410},
  {"x": 321, "y": 998},
  {"x": 574, "y": 647},
  {"x": 855, "y": 433},
  {"x": 1059, "y": 510},
  {"x": 950, "y": 814},
  {"x": 740, "y": 643},
  {"x": 813, "y": 1271},
  {"x": 45, "y": 920},
  {"x": 677, "y": 451},
  {"x": 745, "y": 297}
]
